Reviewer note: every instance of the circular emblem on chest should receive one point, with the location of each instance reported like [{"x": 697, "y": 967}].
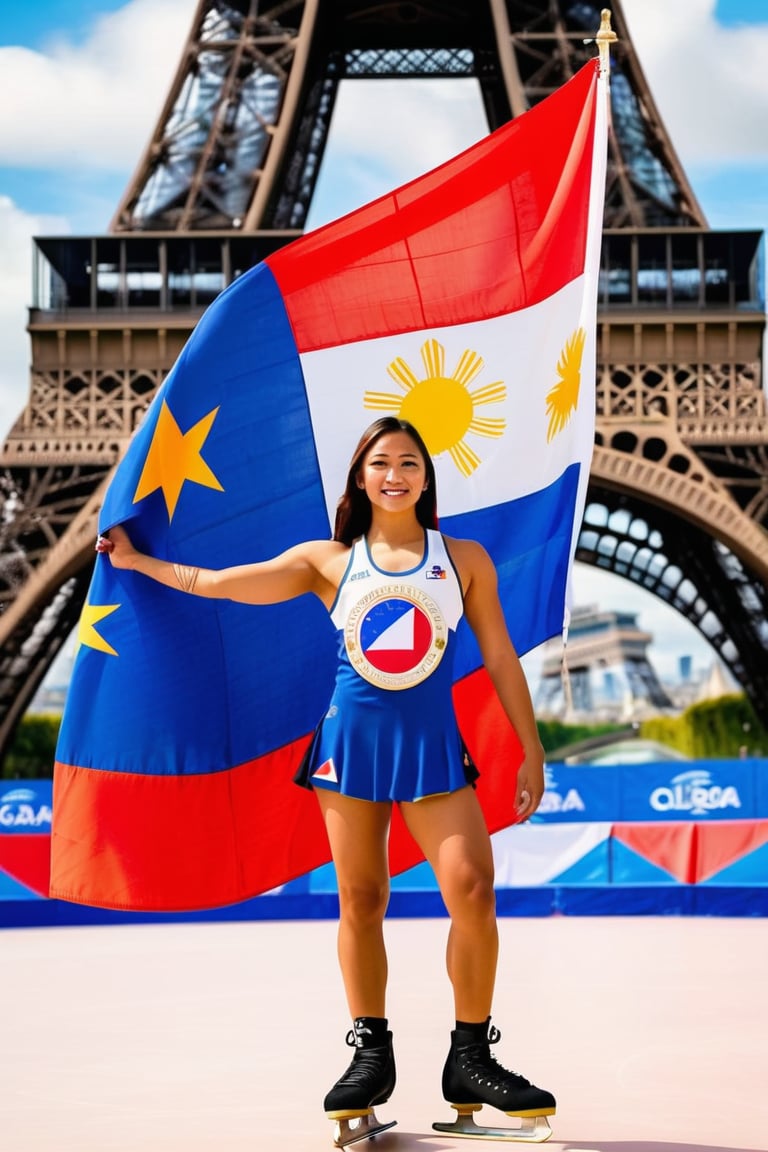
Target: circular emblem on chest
[{"x": 395, "y": 636}]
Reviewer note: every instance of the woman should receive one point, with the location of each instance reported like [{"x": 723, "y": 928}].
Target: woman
[{"x": 396, "y": 589}]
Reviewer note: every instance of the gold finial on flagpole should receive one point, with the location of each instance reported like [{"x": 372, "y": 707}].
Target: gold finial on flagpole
[{"x": 604, "y": 38}]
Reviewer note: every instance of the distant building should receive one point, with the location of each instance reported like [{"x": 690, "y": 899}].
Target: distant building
[
  {"x": 608, "y": 675},
  {"x": 707, "y": 684}
]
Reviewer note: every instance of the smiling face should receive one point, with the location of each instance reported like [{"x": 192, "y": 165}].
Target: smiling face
[
  {"x": 356, "y": 506},
  {"x": 393, "y": 474}
]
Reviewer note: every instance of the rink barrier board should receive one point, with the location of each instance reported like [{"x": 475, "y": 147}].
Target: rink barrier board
[
  {"x": 414, "y": 893},
  {"x": 574, "y": 900}
]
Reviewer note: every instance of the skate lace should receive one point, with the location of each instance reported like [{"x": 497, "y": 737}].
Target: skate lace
[
  {"x": 366, "y": 1062},
  {"x": 482, "y": 1067}
]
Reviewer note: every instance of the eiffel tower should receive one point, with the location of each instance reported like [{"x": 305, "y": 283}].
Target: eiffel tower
[{"x": 678, "y": 494}]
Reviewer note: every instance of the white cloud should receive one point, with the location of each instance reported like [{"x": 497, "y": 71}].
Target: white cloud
[
  {"x": 93, "y": 105},
  {"x": 96, "y": 103},
  {"x": 709, "y": 83},
  {"x": 415, "y": 124},
  {"x": 16, "y": 231},
  {"x": 385, "y": 132}
]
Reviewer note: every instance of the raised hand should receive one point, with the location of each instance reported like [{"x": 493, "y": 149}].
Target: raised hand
[{"x": 117, "y": 545}]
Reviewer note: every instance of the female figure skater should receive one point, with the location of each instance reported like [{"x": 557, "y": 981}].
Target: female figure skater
[{"x": 396, "y": 589}]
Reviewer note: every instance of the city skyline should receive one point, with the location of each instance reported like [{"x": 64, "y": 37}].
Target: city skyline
[{"x": 81, "y": 87}]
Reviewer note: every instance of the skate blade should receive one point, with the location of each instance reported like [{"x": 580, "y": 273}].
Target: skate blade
[
  {"x": 350, "y": 1129},
  {"x": 532, "y": 1130}
]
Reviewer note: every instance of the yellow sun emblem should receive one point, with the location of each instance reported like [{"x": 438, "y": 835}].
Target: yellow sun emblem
[
  {"x": 440, "y": 406},
  {"x": 563, "y": 397}
]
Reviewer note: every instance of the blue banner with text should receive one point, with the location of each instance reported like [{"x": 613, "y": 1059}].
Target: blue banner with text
[
  {"x": 25, "y": 806},
  {"x": 668, "y": 790}
]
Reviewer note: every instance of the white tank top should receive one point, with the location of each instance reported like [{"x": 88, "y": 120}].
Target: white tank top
[{"x": 396, "y": 625}]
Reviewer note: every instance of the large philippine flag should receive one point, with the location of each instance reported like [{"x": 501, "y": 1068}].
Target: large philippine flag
[{"x": 464, "y": 302}]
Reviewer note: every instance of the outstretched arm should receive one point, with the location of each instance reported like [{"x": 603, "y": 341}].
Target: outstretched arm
[
  {"x": 309, "y": 567},
  {"x": 486, "y": 618}
]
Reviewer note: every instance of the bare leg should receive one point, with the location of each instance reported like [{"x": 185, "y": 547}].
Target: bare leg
[
  {"x": 452, "y": 834},
  {"x": 358, "y": 832}
]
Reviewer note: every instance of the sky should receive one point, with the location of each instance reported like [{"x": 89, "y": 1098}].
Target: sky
[{"x": 82, "y": 85}]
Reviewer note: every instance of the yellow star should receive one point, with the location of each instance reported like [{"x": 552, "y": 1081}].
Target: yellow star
[
  {"x": 86, "y": 631},
  {"x": 173, "y": 457}
]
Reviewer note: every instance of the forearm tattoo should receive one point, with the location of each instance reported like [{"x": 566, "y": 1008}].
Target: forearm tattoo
[{"x": 186, "y": 576}]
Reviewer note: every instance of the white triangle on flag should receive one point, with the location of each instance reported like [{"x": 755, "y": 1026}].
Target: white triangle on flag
[
  {"x": 399, "y": 637},
  {"x": 326, "y": 771}
]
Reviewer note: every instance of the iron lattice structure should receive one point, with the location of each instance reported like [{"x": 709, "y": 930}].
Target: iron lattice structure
[{"x": 678, "y": 497}]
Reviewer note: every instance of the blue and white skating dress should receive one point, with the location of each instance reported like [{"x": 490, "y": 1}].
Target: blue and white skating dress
[{"x": 390, "y": 731}]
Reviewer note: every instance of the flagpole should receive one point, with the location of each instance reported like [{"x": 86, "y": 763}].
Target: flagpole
[{"x": 604, "y": 38}]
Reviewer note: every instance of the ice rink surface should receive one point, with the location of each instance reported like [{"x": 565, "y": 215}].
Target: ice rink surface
[{"x": 651, "y": 1032}]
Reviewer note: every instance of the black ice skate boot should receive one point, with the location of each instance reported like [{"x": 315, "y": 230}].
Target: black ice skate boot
[
  {"x": 369, "y": 1080},
  {"x": 472, "y": 1077}
]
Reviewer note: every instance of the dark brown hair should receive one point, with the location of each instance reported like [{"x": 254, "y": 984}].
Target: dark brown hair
[{"x": 353, "y": 512}]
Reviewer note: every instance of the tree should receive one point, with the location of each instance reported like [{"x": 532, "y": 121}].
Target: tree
[
  {"x": 713, "y": 729},
  {"x": 33, "y": 749}
]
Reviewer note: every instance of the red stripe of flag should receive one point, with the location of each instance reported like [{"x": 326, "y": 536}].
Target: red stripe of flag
[
  {"x": 498, "y": 228},
  {"x": 173, "y": 843}
]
